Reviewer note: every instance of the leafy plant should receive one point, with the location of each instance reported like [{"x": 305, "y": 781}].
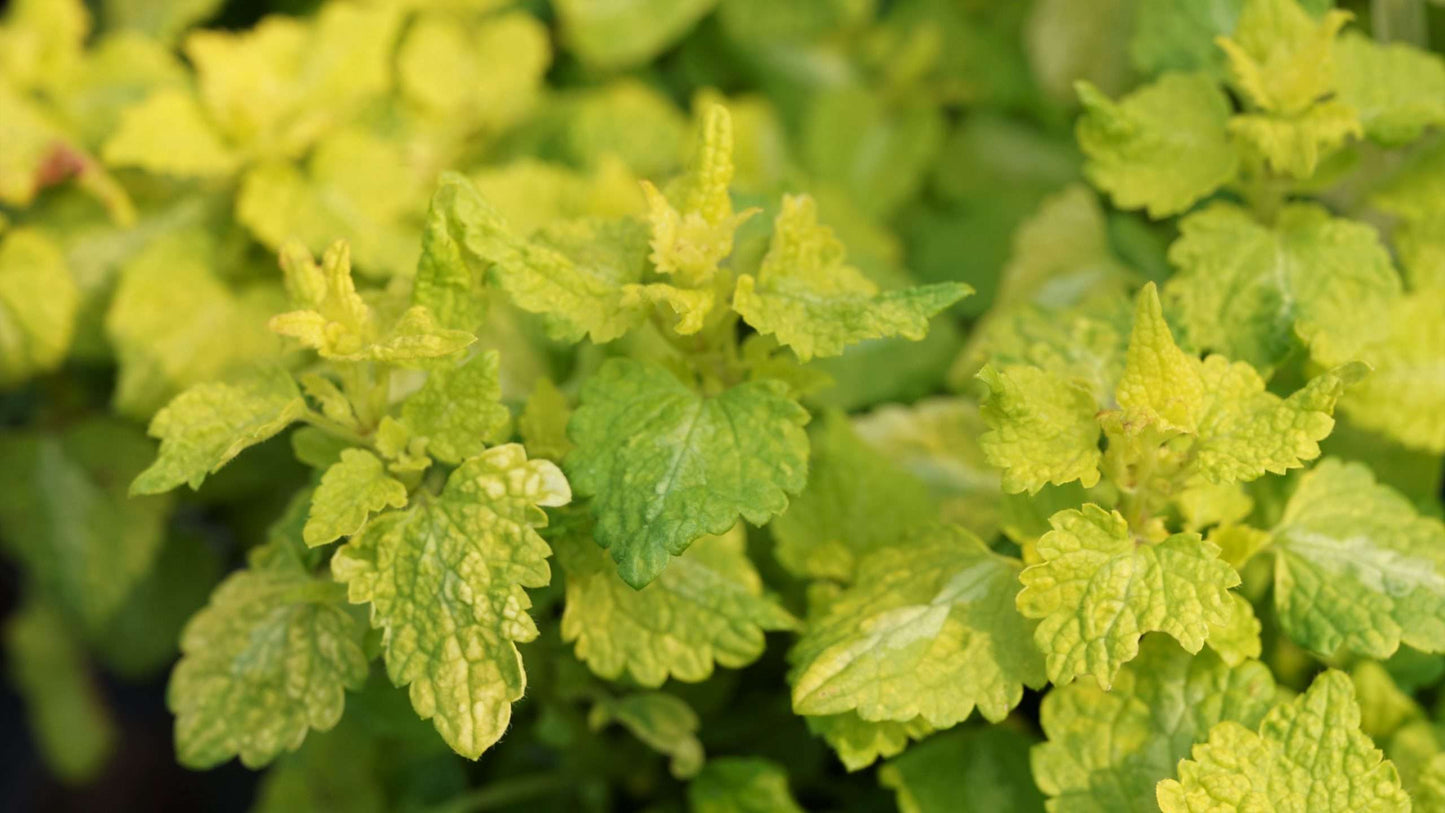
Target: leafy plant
[{"x": 587, "y": 454}]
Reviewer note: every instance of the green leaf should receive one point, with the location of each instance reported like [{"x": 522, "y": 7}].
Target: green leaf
[
  {"x": 1247, "y": 290},
  {"x": 859, "y": 743},
  {"x": 65, "y": 513},
  {"x": 607, "y": 34},
  {"x": 169, "y": 133},
  {"x": 1161, "y": 148},
  {"x": 162, "y": 19},
  {"x": 65, "y": 711},
  {"x": 1179, "y": 35},
  {"x": 1295, "y": 145},
  {"x": 1281, "y": 57},
  {"x": 487, "y": 75},
  {"x": 1097, "y": 589},
  {"x": 814, "y": 303},
  {"x": 457, "y": 647},
  {"x": 207, "y": 425},
  {"x": 929, "y": 630},
  {"x": 741, "y": 785},
  {"x": 665, "y": 723},
  {"x": 38, "y": 304},
  {"x": 1396, "y": 90},
  {"x": 450, "y": 279},
  {"x": 352, "y": 489},
  {"x": 1041, "y": 429},
  {"x": 666, "y": 465},
  {"x": 1161, "y": 385},
  {"x": 707, "y": 607},
  {"x": 459, "y": 410},
  {"x": 1308, "y": 754},
  {"x": 267, "y": 660},
  {"x": 977, "y": 770},
  {"x": 1106, "y": 750},
  {"x": 856, "y": 502},
  {"x": 1061, "y": 254},
  {"x": 1357, "y": 567},
  {"x": 1237, "y": 639}
]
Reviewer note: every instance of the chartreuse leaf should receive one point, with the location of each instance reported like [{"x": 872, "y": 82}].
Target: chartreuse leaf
[
  {"x": 208, "y": 424},
  {"x": 577, "y": 275},
  {"x": 929, "y": 629},
  {"x": 1247, "y": 290},
  {"x": 741, "y": 785},
  {"x": 859, "y": 743},
  {"x": 67, "y": 716},
  {"x": 354, "y": 488},
  {"x": 493, "y": 67},
  {"x": 42, "y": 40},
  {"x": 1161, "y": 385},
  {"x": 1430, "y": 789},
  {"x": 267, "y": 660},
  {"x": 1161, "y": 148},
  {"x": 38, "y": 304},
  {"x": 814, "y": 303},
  {"x": 1237, "y": 639},
  {"x": 65, "y": 513},
  {"x": 1356, "y": 567},
  {"x": 1107, "y": 750},
  {"x": 457, "y": 647},
  {"x": 174, "y": 322},
  {"x": 1295, "y": 145},
  {"x": 1396, "y": 90},
  {"x": 169, "y": 133},
  {"x": 1061, "y": 253},
  {"x": 1041, "y": 428},
  {"x": 707, "y": 607},
  {"x": 976, "y": 770},
  {"x": 666, "y": 465},
  {"x": 336, "y": 322},
  {"x": 609, "y": 34},
  {"x": 662, "y": 721},
  {"x": 1281, "y": 57},
  {"x": 162, "y": 19},
  {"x": 1097, "y": 589},
  {"x": 856, "y": 501},
  {"x": 459, "y": 410},
  {"x": 1307, "y": 755},
  {"x": 450, "y": 278}
]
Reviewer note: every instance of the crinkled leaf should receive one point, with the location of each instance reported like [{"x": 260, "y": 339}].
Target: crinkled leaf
[
  {"x": 666, "y": 465},
  {"x": 1096, "y": 590},
  {"x": 1295, "y": 145},
  {"x": 267, "y": 660},
  {"x": 929, "y": 630},
  {"x": 1161, "y": 148},
  {"x": 1281, "y": 57},
  {"x": 859, "y": 743},
  {"x": 814, "y": 303},
  {"x": 1041, "y": 429},
  {"x": 707, "y": 607},
  {"x": 1161, "y": 385},
  {"x": 457, "y": 647},
  {"x": 1106, "y": 750},
  {"x": 352, "y": 489},
  {"x": 1308, "y": 754},
  {"x": 1357, "y": 567},
  {"x": 459, "y": 410}
]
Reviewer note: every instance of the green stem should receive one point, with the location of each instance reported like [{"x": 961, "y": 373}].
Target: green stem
[
  {"x": 333, "y": 428},
  {"x": 501, "y": 794}
]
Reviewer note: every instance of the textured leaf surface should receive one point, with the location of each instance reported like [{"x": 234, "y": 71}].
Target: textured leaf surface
[
  {"x": 856, "y": 501},
  {"x": 459, "y": 410},
  {"x": 1357, "y": 567},
  {"x": 929, "y": 630},
  {"x": 859, "y": 743},
  {"x": 741, "y": 785},
  {"x": 1106, "y": 750},
  {"x": 1281, "y": 57},
  {"x": 665, "y": 465},
  {"x": 1307, "y": 755},
  {"x": 1247, "y": 290},
  {"x": 1097, "y": 589},
  {"x": 207, "y": 425},
  {"x": 978, "y": 770},
  {"x": 813, "y": 302},
  {"x": 707, "y": 607},
  {"x": 354, "y": 488},
  {"x": 1041, "y": 429},
  {"x": 267, "y": 660},
  {"x": 1161, "y": 384},
  {"x": 1162, "y": 147},
  {"x": 543, "y": 424},
  {"x": 445, "y": 579}
]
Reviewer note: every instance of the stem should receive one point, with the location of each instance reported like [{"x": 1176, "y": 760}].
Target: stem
[
  {"x": 330, "y": 427},
  {"x": 501, "y": 794}
]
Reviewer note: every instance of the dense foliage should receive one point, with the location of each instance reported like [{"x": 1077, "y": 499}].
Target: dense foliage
[{"x": 733, "y": 405}]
